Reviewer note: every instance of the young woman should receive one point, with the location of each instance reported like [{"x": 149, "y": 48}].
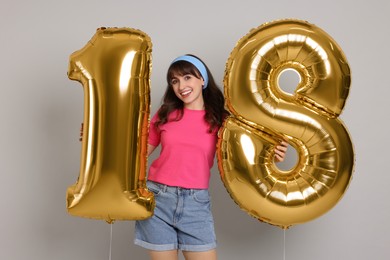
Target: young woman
[{"x": 186, "y": 126}]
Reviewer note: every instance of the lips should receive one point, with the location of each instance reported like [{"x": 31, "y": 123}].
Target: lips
[{"x": 185, "y": 93}]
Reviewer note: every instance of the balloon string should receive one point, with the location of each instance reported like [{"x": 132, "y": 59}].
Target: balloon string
[
  {"x": 109, "y": 257},
  {"x": 284, "y": 244}
]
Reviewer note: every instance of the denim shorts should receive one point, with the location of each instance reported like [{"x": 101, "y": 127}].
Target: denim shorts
[{"x": 182, "y": 220}]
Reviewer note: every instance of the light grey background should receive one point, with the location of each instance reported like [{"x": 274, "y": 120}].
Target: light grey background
[{"x": 41, "y": 111}]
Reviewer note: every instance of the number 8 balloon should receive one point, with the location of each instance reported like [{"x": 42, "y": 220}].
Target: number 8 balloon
[
  {"x": 263, "y": 114},
  {"x": 114, "y": 68}
]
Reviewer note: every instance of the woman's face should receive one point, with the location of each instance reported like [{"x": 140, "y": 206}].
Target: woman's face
[{"x": 188, "y": 89}]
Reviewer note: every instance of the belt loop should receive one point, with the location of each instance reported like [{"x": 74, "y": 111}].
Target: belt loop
[{"x": 165, "y": 188}]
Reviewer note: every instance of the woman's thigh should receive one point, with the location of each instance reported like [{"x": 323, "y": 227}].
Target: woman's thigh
[
  {"x": 205, "y": 255},
  {"x": 163, "y": 255}
]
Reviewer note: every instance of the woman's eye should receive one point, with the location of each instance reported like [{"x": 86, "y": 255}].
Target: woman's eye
[
  {"x": 187, "y": 77},
  {"x": 173, "y": 82}
]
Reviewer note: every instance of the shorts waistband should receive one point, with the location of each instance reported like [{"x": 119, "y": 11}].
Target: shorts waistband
[{"x": 173, "y": 189}]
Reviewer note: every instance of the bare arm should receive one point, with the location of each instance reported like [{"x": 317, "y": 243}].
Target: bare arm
[{"x": 151, "y": 148}]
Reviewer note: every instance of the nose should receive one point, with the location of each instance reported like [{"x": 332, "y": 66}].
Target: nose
[{"x": 181, "y": 84}]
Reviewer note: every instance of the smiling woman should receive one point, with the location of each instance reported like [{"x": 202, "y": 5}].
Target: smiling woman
[
  {"x": 188, "y": 89},
  {"x": 186, "y": 126}
]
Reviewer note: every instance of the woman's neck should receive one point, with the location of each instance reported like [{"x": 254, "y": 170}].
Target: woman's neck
[{"x": 195, "y": 106}]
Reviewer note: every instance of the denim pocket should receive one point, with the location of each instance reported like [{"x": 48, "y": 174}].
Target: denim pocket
[
  {"x": 154, "y": 187},
  {"x": 201, "y": 196}
]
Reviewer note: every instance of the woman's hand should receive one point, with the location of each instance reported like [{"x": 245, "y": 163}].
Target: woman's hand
[{"x": 280, "y": 151}]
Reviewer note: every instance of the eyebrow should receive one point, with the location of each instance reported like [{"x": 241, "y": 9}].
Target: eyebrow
[{"x": 187, "y": 74}]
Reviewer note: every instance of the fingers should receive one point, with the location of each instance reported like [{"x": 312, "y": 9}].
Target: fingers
[
  {"x": 282, "y": 146},
  {"x": 279, "y": 156},
  {"x": 280, "y": 151}
]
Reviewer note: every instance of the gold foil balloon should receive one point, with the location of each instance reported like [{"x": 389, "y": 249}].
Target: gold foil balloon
[
  {"x": 263, "y": 114},
  {"x": 114, "y": 68}
]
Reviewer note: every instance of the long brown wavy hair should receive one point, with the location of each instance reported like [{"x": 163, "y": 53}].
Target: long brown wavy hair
[{"x": 213, "y": 97}]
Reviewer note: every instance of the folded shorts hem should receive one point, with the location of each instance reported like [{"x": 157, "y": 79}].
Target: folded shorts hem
[
  {"x": 198, "y": 248},
  {"x": 166, "y": 247},
  {"x": 155, "y": 247}
]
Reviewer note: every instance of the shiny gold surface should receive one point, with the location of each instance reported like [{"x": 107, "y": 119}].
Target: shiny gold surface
[
  {"x": 263, "y": 114},
  {"x": 114, "y": 68}
]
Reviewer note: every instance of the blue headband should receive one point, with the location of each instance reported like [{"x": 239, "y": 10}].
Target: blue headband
[{"x": 198, "y": 64}]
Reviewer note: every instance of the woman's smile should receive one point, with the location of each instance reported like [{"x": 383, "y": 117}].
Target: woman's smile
[{"x": 188, "y": 88}]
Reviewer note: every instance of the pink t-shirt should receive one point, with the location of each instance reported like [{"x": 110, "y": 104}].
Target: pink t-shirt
[{"x": 187, "y": 150}]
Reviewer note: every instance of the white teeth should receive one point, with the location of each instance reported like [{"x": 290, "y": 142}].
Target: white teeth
[{"x": 184, "y": 93}]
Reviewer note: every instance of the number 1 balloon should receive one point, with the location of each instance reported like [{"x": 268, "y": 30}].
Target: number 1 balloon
[
  {"x": 263, "y": 114},
  {"x": 114, "y": 69}
]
